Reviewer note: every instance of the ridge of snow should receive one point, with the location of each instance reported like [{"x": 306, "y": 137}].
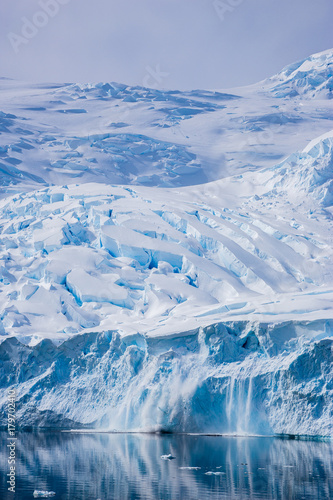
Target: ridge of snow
[
  {"x": 311, "y": 77},
  {"x": 314, "y": 143}
]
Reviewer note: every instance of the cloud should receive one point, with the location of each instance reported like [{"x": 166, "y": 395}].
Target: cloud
[{"x": 198, "y": 43}]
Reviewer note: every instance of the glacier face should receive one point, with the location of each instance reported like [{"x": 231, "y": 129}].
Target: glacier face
[
  {"x": 225, "y": 378},
  {"x": 166, "y": 257}
]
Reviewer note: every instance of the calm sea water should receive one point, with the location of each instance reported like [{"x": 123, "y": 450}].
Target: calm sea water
[{"x": 129, "y": 466}]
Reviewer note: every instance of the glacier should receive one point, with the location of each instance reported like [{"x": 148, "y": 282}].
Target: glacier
[{"x": 166, "y": 257}]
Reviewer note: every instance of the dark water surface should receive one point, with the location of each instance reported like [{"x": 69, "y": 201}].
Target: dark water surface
[{"x": 129, "y": 466}]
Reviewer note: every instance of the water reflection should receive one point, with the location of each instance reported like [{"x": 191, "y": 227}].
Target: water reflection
[{"x": 129, "y": 466}]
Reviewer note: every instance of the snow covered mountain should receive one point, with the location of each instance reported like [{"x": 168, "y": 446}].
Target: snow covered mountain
[
  {"x": 166, "y": 257},
  {"x": 311, "y": 78}
]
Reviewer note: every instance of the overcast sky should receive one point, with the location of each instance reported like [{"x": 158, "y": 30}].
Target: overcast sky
[{"x": 183, "y": 44}]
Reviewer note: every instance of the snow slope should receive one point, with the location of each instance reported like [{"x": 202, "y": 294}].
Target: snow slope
[
  {"x": 166, "y": 257},
  {"x": 115, "y": 134}
]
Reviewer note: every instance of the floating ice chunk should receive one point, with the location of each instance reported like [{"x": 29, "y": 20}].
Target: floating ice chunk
[
  {"x": 43, "y": 494},
  {"x": 211, "y": 473}
]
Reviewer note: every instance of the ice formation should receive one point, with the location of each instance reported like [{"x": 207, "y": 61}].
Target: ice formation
[
  {"x": 166, "y": 257},
  {"x": 43, "y": 494}
]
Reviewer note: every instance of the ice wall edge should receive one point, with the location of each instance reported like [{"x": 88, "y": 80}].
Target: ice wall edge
[{"x": 229, "y": 378}]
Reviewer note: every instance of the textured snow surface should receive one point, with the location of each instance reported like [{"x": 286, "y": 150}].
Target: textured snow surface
[
  {"x": 111, "y": 133},
  {"x": 311, "y": 78},
  {"x": 156, "y": 260},
  {"x": 166, "y": 257}
]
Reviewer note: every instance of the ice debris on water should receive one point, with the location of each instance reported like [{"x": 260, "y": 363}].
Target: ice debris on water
[{"x": 43, "y": 494}]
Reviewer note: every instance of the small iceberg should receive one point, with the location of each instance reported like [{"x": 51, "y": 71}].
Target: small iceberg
[
  {"x": 167, "y": 457},
  {"x": 43, "y": 494}
]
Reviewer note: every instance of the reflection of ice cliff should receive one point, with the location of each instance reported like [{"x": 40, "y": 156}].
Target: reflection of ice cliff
[{"x": 100, "y": 465}]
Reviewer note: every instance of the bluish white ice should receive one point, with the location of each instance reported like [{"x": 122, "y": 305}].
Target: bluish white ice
[
  {"x": 166, "y": 257},
  {"x": 43, "y": 494}
]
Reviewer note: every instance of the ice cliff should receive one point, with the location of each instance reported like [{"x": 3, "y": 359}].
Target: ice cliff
[{"x": 225, "y": 378}]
